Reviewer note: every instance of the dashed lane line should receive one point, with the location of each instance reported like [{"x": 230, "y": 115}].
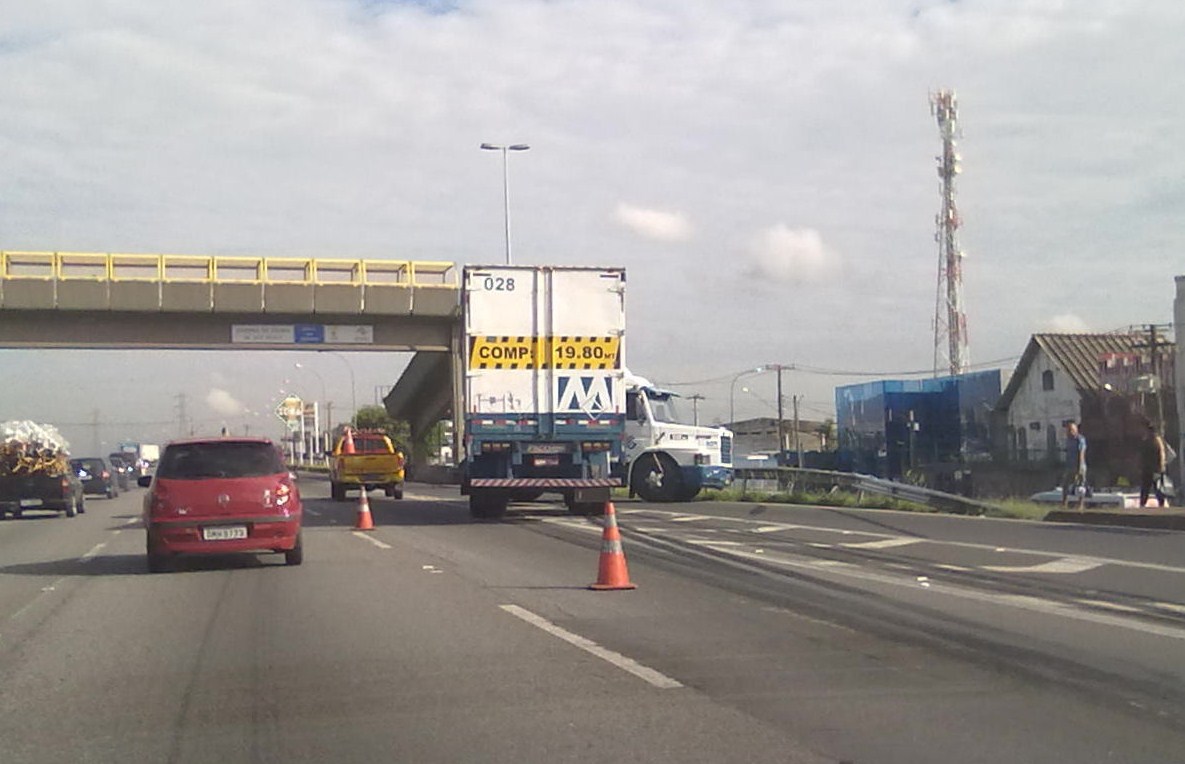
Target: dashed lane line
[
  {"x": 1063, "y": 565},
  {"x": 888, "y": 543},
  {"x": 94, "y": 551},
  {"x": 645, "y": 673},
  {"x": 373, "y": 540}
]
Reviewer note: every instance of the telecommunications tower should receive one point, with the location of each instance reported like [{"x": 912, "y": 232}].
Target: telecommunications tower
[{"x": 951, "y": 353}]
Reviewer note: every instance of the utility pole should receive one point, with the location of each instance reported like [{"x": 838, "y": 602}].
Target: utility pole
[
  {"x": 695, "y": 399},
  {"x": 1154, "y": 345},
  {"x": 781, "y": 413},
  {"x": 181, "y": 416},
  {"x": 797, "y": 436},
  {"x": 95, "y": 431}
]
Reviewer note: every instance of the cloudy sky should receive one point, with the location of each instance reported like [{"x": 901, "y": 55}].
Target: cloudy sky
[{"x": 765, "y": 170}]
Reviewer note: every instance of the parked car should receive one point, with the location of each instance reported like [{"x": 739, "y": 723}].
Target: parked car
[
  {"x": 97, "y": 476},
  {"x": 219, "y": 496},
  {"x": 123, "y": 471}
]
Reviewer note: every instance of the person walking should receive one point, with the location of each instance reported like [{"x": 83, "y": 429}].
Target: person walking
[
  {"x": 1074, "y": 480},
  {"x": 1152, "y": 466}
]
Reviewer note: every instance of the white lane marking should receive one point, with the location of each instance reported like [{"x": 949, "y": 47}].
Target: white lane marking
[
  {"x": 955, "y": 568},
  {"x": 1024, "y": 602},
  {"x": 94, "y": 550},
  {"x": 1112, "y": 606},
  {"x": 132, "y": 521},
  {"x": 645, "y": 673},
  {"x": 1170, "y": 606},
  {"x": 312, "y": 512},
  {"x": 1154, "y": 566},
  {"x": 713, "y": 542},
  {"x": 372, "y": 540},
  {"x": 1064, "y": 565},
  {"x": 688, "y": 518},
  {"x": 576, "y": 525},
  {"x": 772, "y": 528},
  {"x": 888, "y": 543}
]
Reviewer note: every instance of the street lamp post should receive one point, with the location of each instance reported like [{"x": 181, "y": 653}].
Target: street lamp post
[
  {"x": 732, "y": 392},
  {"x": 506, "y": 186}
]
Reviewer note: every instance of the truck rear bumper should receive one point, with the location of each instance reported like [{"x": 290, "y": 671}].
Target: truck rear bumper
[{"x": 610, "y": 482}]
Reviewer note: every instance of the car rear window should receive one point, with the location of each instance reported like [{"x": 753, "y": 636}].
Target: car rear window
[
  {"x": 90, "y": 465},
  {"x": 371, "y": 444},
  {"x": 192, "y": 461}
]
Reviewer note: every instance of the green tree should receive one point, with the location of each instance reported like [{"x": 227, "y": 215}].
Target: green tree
[{"x": 376, "y": 418}]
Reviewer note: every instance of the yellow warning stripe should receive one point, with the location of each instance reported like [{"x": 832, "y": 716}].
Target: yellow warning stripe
[{"x": 562, "y": 352}]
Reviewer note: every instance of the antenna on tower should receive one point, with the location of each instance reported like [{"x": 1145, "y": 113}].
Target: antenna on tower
[{"x": 950, "y": 323}]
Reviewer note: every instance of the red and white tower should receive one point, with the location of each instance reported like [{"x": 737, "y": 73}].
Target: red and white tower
[{"x": 951, "y": 353}]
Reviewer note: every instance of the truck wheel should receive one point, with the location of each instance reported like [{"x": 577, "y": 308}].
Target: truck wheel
[
  {"x": 72, "y": 507},
  {"x": 337, "y": 491},
  {"x": 394, "y": 490},
  {"x": 656, "y": 478},
  {"x": 82, "y": 505}
]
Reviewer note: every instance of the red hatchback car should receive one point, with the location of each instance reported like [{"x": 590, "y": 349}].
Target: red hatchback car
[{"x": 219, "y": 496}]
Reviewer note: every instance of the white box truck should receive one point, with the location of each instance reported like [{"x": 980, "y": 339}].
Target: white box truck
[{"x": 543, "y": 392}]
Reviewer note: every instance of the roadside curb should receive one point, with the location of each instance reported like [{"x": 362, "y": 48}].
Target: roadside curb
[{"x": 1166, "y": 519}]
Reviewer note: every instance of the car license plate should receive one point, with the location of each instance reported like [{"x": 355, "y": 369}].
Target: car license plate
[
  {"x": 31, "y": 502},
  {"x": 224, "y": 532}
]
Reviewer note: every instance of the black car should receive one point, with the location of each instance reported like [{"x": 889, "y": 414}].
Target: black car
[
  {"x": 97, "y": 476},
  {"x": 123, "y": 470}
]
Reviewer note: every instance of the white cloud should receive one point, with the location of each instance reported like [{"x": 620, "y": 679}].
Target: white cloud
[
  {"x": 1067, "y": 323},
  {"x": 222, "y": 402},
  {"x": 658, "y": 225},
  {"x": 790, "y": 256}
]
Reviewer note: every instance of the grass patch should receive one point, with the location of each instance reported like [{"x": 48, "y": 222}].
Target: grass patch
[{"x": 1019, "y": 509}]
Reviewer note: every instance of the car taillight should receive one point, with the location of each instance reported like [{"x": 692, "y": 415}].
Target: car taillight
[
  {"x": 158, "y": 503},
  {"x": 65, "y": 486}
]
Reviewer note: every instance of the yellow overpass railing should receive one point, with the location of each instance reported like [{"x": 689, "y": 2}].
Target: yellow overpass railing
[
  {"x": 88, "y": 266},
  {"x": 244, "y": 285}
]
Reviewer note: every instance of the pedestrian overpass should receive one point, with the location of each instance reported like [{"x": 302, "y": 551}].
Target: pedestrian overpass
[{"x": 112, "y": 301}]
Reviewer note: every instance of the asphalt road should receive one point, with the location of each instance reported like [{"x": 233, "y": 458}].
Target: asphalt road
[{"x": 757, "y": 633}]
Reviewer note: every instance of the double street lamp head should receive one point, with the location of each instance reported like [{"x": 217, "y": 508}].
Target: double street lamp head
[{"x": 513, "y": 147}]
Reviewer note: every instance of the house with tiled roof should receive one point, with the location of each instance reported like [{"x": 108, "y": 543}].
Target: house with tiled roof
[{"x": 1098, "y": 380}]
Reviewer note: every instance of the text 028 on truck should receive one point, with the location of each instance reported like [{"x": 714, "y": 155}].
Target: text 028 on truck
[{"x": 544, "y": 394}]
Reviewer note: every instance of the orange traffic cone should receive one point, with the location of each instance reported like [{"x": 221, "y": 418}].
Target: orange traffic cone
[
  {"x": 612, "y": 572},
  {"x": 365, "y": 521},
  {"x": 348, "y": 443}
]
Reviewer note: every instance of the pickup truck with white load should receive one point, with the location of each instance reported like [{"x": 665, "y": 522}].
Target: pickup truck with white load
[
  {"x": 35, "y": 472},
  {"x": 543, "y": 391},
  {"x": 666, "y": 459}
]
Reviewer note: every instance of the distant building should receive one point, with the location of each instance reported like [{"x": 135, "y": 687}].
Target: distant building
[
  {"x": 890, "y": 427},
  {"x": 760, "y": 436},
  {"x": 1108, "y": 383}
]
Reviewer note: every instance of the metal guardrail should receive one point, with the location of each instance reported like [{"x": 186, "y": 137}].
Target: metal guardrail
[{"x": 793, "y": 478}]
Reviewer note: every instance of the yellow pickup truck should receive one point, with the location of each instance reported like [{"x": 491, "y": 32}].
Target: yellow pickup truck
[{"x": 365, "y": 460}]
